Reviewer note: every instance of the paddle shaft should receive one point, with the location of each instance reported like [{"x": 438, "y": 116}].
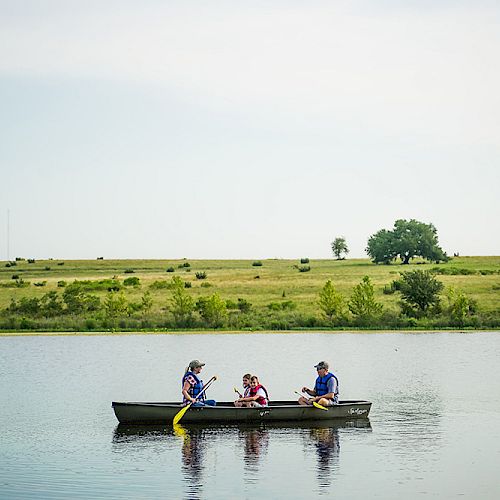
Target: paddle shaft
[
  {"x": 182, "y": 411},
  {"x": 315, "y": 403}
]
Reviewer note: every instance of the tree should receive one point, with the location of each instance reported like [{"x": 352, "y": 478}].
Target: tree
[
  {"x": 182, "y": 302},
  {"x": 362, "y": 303},
  {"x": 212, "y": 309},
  {"x": 339, "y": 246},
  {"x": 115, "y": 304},
  {"x": 331, "y": 302},
  {"x": 460, "y": 306},
  {"x": 408, "y": 239},
  {"x": 420, "y": 291}
]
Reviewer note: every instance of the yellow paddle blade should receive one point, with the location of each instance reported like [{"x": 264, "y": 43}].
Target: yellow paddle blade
[
  {"x": 179, "y": 431},
  {"x": 180, "y": 414},
  {"x": 320, "y": 407}
]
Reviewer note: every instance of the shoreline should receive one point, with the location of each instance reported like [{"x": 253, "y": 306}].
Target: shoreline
[{"x": 239, "y": 332}]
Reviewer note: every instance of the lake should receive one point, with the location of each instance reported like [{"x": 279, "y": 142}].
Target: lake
[{"x": 433, "y": 429}]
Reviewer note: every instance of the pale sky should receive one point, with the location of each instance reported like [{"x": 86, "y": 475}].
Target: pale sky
[{"x": 236, "y": 129}]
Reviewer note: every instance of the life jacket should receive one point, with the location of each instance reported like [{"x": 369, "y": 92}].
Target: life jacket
[
  {"x": 195, "y": 389},
  {"x": 321, "y": 386},
  {"x": 261, "y": 400}
]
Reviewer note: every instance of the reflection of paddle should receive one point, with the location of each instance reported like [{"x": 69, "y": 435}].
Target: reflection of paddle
[
  {"x": 238, "y": 392},
  {"x": 316, "y": 405},
  {"x": 180, "y": 413}
]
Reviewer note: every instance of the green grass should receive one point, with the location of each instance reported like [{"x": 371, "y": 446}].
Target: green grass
[{"x": 236, "y": 278}]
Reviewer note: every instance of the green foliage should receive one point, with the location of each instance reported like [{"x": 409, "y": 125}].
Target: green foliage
[
  {"x": 362, "y": 303},
  {"x": 408, "y": 239},
  {"x": 146, "y": 302},
  {"x": 332, "y": 303},
  {"x": 182, "y": 304},
  {"x": 184, "y": 264},
  {"x": 31, "y": 261},
  {"x": 40, "y": 283},
  {"x": 61, "y": 284},
  {"x": 19, "y": 283},
  {"x": 243, "y": 305},
  {"x": 256, "y": 263},
  {"x": 132, "y": 281},
  {"x": 201, "y": 275},
  {"x": 46, "y": 268},
  {"x": 213, "y": 310},
  {"x": 339, "y": 247},
  {"x": 420, "y": 293},
  {"x": 161, "y": 284},
  {"x": 78, "y": 301},
  {"x": 187, "y": 284},
  {"x": 51, "y": 305},
  {"x": 206, "y": 284},
  {"x": 60, "y": 263},
  {"x": 304, "y": 260},
  {"x": 304, "y": 269},
  {"x": 170, "y": 269},
  {"x": 115, "y": 304},
  {"x": 109, "y": 285},
  {"x": 453, "y": 271},
  {"x": 460, "y": 306},
  {"x": 129, "y": 271},
  {"x": 287, "y": 305}
]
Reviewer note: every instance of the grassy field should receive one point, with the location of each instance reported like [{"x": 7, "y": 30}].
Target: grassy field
[{"x": 274, "y": 281}]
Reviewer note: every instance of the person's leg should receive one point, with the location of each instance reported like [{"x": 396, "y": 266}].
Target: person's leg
[
  {"x": 210, "y": 402},
  {"x": 326, "y": 402},
  {"x": 304, "y": 401}
]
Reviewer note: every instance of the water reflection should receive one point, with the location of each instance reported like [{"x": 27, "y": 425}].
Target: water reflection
[{"x": 200, "y": 446}]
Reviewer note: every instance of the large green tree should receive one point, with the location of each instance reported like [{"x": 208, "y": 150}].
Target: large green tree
[
  {"x": 420, "y": 292},
  {"x": 408, "y": 239}
]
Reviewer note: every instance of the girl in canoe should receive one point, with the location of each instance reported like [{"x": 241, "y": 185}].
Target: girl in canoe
[
  {"x": 257, "y": 396},
  {"x": 246, "y": 389},
  {"x": 192, "y": 385}
]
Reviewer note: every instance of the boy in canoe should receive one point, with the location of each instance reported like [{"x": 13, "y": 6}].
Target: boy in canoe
[
  {"x": 257, "y": 396},
  {"x": 246, "y": 389},
  {"x": 326, "y": 388},
  {"x": 192, "y": 385}
]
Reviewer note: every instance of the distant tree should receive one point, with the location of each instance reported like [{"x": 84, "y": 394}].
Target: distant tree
[
  {"x": 460, "y": 306},
  {"x": 331, "y": 302},
  {"x": 115, "y": 304},
  {"x": 420, "y": 292},
  {"x": 362, "y": 303},
  {"x": 182, "y": 302},
  {"x": 339, "y": 247},
  {"x": 146, "y": 302},
  {"x": 408, "y": 239},
  {"x": 212, "y": 309}
]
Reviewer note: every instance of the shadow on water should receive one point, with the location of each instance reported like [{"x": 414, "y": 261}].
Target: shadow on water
[{"x": 199, "y": 442}]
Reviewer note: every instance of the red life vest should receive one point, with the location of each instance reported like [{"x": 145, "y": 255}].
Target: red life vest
[{"x": 261, "y": 400}]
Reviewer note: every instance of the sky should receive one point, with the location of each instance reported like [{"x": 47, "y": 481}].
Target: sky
[{"x": 236, "y": 129}]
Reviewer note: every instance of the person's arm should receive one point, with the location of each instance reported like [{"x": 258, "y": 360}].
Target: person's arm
[
  {"x": 185, "y": 391},
  {"x": 311, "y": 392},
  {"x": 249, "y": 398}
]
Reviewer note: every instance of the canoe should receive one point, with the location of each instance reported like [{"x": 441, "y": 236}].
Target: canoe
[{"x": 226, "y": 412}]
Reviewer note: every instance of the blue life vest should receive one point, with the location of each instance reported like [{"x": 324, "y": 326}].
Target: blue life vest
[
  {"x": 321, "y": 386},
  {"x": 195, "y": 389}
]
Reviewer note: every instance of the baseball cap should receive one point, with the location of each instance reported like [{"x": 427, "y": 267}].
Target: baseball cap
[
  {"x": 196, "y": 363},
  {"x": 321, "y": 364}
]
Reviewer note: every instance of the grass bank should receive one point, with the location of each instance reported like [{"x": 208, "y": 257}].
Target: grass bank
[{"x": 281, "y": 296}]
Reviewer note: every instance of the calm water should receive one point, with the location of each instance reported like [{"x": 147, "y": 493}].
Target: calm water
[{"x": 433, "y": 431}]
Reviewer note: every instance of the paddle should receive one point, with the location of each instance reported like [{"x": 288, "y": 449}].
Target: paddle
[
  {"x": 316, "y": 405},
  {"x": 238, "y": 392},
  {"x": 183, "y": 410}
]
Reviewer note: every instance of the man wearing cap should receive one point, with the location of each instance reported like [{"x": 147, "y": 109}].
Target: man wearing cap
[
  {"x": 326, "y": 388},
  {"x": 192, "y": 386}
]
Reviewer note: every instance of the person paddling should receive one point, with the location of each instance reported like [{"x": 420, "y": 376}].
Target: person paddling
[
  {"x": 192, "y": 385},
  {"x": 246, "y": 389},
  {"x": 258, "y": 395},
  {"x": 326, "y": 388}
]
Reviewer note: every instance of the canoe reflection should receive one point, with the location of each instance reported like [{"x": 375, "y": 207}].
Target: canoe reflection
[{"x": 251, "y": 441}]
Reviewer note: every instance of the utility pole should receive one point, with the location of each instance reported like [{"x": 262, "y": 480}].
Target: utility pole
[{"x": 8, "y": 235}]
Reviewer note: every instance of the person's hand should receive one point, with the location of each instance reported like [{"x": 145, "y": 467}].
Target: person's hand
[{"x": 305, "y": 389}]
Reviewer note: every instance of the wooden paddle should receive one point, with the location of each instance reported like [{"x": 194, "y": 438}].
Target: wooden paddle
[
  {"x": 183, "y": 410},
  {"x": 315, "y": 404},
  {"x": 238, "y": 392}
]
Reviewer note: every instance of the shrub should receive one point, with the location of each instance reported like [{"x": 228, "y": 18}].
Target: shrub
[
  {"x": 460, "y": 306},
  {"x": 160, "y": 285},
  {"x": 29, "y": 306},
  {"x": 90, "y": 324},
  {"x": 19, "y": 259},
  {"x": 392, "y": 287},
  {"x": 110, "y": 285},
  {"x": 129, "y": 271},
  {"x": 304, "y": 260},
  {"x": 115, "y": 304},
  {"x": 206, "y": 284},
  {"x": 31, "y": 261},
  {"x": 287, "y": 305},
  {"x": 61, "y": 284},
  {"x": 201, "y": 275},
  {"x": 47, "y": 268},
  {"x": 100, "y": 258},
  {"x": 184, "y": 264},
  {"x": 132, "y": 281},
  {"x": 362, "y": 303},
  {"x": 187, "y": 284},
  {"x": 244, "y": 305},
  {"x": 212, "y": 309},
  {"x": 78, "y": 301},
  {"x": 332, "y": 303},
  {"x": 60, "y": 263},
  {"x": 182, "y": 303},
  {"x": 304, "y": 269},
  {"x": 256, "y": 263},
  {"x": 256, "y": 277},
  {"x": 420, "y": 292},
  {"x": 40, "y": 283},
  {"x": 170, "y": 270},
  {"x": 15, "y": 276}
]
